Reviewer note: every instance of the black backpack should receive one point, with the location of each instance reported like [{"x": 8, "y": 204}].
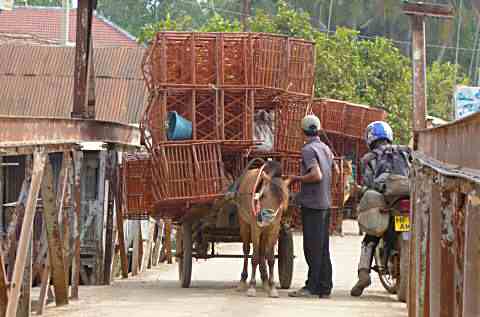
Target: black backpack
[
  {"x": 385, "y": 161},
  {"x": 391, "y": 159}
]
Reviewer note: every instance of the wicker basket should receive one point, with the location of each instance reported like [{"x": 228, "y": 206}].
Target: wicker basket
[
  {"x": 229, "y": 61},
  {"x": 289, "y": 137},
  {"x": 346, "y": 118},
  {"x": 215, "y": 115},
  {"x": 137, "y": 185},
  {"x": 187, "y": 172}
]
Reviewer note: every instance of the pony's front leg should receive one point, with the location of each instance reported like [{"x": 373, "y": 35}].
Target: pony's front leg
[
  {"x": 271, "y": 280},
  {"x": 252, "y": 290},
  {"x": 262, "y": 265},
  {"x": 243, "y": 278}
]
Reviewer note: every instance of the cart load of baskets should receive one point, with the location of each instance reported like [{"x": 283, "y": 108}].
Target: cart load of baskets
[{"x": 217, "y": 101}]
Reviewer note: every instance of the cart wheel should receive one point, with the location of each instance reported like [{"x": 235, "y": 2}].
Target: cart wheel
[
  {"x": 185, "y": 259},
  {"x": 285, "y": 258}
]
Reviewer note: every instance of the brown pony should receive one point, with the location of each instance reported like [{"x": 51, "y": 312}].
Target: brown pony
[{"x": 263, "y": 197}]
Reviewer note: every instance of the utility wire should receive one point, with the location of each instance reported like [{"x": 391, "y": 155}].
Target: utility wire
[{"x": 407, "y": 43}]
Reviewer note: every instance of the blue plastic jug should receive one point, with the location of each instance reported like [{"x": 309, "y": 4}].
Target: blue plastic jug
[{"x": 179, "y": 128}]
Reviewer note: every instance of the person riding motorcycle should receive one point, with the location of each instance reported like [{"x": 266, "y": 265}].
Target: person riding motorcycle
[{"x": 376, "y": 168}]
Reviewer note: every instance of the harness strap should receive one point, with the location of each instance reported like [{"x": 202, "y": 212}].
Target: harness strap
[
  {"x": 255, "y": 202},
  {"x": 236, "y": 184}
]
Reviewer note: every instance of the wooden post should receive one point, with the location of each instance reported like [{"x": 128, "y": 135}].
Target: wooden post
[
  {"x": 168, "y": 241},
  {"x": 3, "y": 286},
  {"x": 84, "y": 93},
  {"x": 148, "y": 252},
  {"x": 12, "y": 228},
  {"x": 26, "y": 233},
  {"x": 44, "y": 287},
  {"x": 77, "y": 161},
  {"x": 121, "y": 234},
  {"x": 418, "y": 12},
  {"x": 100, "y": 217},
  {"x": 55, "y": 245},
  {"x": 435, "y": 250},
  {"x": 42, "y": 253},
  {"x": 412, "y": 282},
  {"x": 471, "y": 282},
  {"x": 24, "y": 303},
  {"x": 140, "y": 248},
  {"x": 62, "y": 210},
  {"x": 137, "y": 231},
  {"x": 158, "y": 244},
  {"x": 109, "y": 237},
  {"x": 419, "y": 73},
  {"x": 2, "y": 225}
]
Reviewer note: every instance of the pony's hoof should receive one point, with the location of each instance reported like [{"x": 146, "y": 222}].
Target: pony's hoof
[
  {"x": 274, "y": 293},
  {"x": 251, "y": 292},
  {"x": 266, "y": 287},
  {"x": 242, "y": 287}
]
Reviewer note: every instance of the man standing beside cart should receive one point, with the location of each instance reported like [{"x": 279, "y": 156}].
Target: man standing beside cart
[{"x": 315, "y": 202}]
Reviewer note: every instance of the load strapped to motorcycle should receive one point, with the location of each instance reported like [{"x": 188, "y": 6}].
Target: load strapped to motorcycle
[
  {"x": 384, "y": 213},
  {"x": 391, "y": 184}
]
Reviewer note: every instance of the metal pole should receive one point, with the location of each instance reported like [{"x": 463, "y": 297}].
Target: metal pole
[
  {"x": 245, "y": 15},
  {"x": 459, "y": 27},
  {"x": 330, "y": 10},
  {"x": 65, "y": 22}
]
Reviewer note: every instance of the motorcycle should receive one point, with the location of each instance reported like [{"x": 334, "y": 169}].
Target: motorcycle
[{"x": 392, "y": 252}]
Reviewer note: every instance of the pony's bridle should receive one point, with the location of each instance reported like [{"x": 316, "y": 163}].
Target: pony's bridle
[{"x": 256, "y": 196}]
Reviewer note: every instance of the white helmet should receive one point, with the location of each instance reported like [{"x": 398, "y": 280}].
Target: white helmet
[{"x": 311, "y": 123}]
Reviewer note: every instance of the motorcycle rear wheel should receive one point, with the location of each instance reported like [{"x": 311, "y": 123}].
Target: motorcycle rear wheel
[{"x": 387, "y": 272}]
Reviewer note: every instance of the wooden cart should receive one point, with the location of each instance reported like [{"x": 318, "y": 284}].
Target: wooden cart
[
  {"x": 201, "y": 222},
  {"x": 195, "y": 241}
]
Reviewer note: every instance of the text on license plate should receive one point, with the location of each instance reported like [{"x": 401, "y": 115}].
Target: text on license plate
[{"x": 402, "y": 223}]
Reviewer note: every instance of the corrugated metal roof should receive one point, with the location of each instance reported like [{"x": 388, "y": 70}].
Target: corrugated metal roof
[
  {"x": 38, "y": 81},
  {"x": 45, "y": 23}
]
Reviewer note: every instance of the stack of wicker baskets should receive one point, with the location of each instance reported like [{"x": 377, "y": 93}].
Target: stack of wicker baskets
[{"x": 217, "y": 81}]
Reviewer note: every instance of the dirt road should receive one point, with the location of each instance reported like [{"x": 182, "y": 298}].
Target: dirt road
[{"x": 156, "y": 293}]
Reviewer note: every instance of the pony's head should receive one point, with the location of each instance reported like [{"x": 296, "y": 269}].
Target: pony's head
[{"x": 272, "y": 190}]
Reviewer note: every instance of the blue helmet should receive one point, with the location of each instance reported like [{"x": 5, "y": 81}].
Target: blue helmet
[{"x": 378, "y": 130}]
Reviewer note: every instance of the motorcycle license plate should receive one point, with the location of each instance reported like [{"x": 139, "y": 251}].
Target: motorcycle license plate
[{"x": 402, "y": 223}]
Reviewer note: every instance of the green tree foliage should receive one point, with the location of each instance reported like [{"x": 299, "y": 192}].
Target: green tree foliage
[
  {"x": 133, "y": 15},
  {"x": 440, "y": 81},
  {"x": 294, "y": 23},
  {"x": 183, "y": 23},
  {"x": 371, "y": 72},
  {"x": 217, "y": 23}
]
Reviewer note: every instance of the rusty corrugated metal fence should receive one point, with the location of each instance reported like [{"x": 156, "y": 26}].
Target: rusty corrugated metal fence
[{"x": 445, "y": 253}]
